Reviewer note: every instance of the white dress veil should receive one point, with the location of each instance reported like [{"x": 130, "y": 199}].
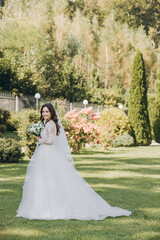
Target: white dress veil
[{"x": 62, "y": 144}]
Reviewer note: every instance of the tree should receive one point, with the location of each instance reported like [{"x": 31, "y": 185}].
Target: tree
[
  {"x": 138, "y": 105},
  {"x": 8, "y": 77},
  {"x": 90, "y": 9},
  {"x": 137, "y": 13},
  {"x": 2, "y": 3},
  {"x": 154, "y": 111}
]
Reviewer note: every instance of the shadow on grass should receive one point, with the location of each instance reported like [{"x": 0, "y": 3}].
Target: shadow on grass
[{"x": 93, "y": 151}]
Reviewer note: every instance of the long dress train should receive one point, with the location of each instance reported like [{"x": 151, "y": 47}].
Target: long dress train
[{"x": 53, "y": 189}]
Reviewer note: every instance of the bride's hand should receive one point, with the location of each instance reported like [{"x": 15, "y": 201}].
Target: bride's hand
[{"x": 37, "y": 138}]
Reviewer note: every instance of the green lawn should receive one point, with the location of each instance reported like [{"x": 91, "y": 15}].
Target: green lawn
[{"x": 125, "y": 177}]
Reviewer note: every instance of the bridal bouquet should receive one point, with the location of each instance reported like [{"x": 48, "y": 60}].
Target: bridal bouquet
[{"x": 35, "y": 129}]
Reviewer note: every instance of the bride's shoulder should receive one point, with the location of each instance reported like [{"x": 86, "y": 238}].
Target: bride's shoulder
[{"x": 51, "y": 123}]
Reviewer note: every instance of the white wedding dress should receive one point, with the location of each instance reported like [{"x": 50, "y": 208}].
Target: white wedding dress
[{"x": 53, "y": 189}]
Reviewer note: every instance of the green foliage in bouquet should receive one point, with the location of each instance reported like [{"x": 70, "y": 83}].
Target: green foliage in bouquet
[
  {"x": 138, "y": 105},
  {"x": 124, "y": 140},
  {"x": 113, "y": 122},
  {"x": 35, "y": 129},
  {"x": 10, "y": 151}
]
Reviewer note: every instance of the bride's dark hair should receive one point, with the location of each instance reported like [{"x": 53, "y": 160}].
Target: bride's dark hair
[{"x": 53, "y": 115}]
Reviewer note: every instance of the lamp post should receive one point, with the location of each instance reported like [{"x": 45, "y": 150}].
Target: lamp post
[
  {"x": 85, "y": 102},
  {"x": 120, "y": 106},
  {"x": 37, "y": 97}
]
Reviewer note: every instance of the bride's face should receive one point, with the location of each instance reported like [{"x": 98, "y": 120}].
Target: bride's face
[{"x": 46, "y": 114}]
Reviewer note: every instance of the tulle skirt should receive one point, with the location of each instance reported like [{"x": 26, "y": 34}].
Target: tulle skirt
[{"x": 53, "y": 189}]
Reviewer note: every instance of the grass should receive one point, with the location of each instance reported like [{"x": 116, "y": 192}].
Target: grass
[{"x": 125, "y": 177}]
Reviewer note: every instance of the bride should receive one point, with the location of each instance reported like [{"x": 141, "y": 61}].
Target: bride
[{"x": 53, "y": 189}]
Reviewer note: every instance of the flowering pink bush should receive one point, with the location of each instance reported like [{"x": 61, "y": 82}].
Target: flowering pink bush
[
  {"x": 95, "y": 128},
  {"x": 86, "y": 111},
  {"x": 113, "y": 122},
  {"x": 82, "y": 130},
  {"x": 95, "y": 116}
]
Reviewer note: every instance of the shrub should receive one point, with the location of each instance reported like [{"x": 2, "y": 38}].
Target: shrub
[
  {"x": 106, "y": 137},
  {"x": 138, "y": 104},
  {"x": 112, "y": 122},
  {"x": 10, "y": 151},
  {"x": 156, "y": 129},
  {"x": 106, "y": 97},
  {"x": 75, "y": 140},
  {"x": 3, "y": 128},
  {"x": 11, "y": 126},
  {"x": 67, "y": 123},
  {"x": 26, "y": 118},
  {"x": 81, "y": 129},
  {"x": 4, "y": 116},
  {"x": 14, "y": 121},
  {"x": 154, "y": 112},
  {"x": 124, "y": 140}
]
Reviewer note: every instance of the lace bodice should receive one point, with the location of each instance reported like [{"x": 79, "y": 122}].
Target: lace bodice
[{"x": 48, "y": 133}]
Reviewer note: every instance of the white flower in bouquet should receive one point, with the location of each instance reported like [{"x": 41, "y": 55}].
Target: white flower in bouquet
[{"x": 35, "y": 129}]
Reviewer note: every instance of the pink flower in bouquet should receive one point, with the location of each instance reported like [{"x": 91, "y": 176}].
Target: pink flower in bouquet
[{"x": 95, "y": 116}]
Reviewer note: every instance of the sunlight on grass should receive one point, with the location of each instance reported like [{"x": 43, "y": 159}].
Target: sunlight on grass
[
  {"x": 132, "y": 221},
  {"x": 118, "y": 174},
  {"x": 147, "y": 236},
  {"x": 6, "y": 190},
  {"x": 22, "y": 232},
  {"x": 156, "y": 189},
  {"x": 11, "y": 178},
  {"x": 136, "y": 166},
  {"x": 151, "y": 211},
  {"x": 103, "y": 185}
]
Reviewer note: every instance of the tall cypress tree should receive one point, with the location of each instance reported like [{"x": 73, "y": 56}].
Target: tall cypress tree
[
  {"x": 155, "y": 112},
  {"x": 138, "y": 105}
]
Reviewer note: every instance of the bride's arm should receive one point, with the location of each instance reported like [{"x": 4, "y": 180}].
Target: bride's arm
[{"x": 48, "y": 137}]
